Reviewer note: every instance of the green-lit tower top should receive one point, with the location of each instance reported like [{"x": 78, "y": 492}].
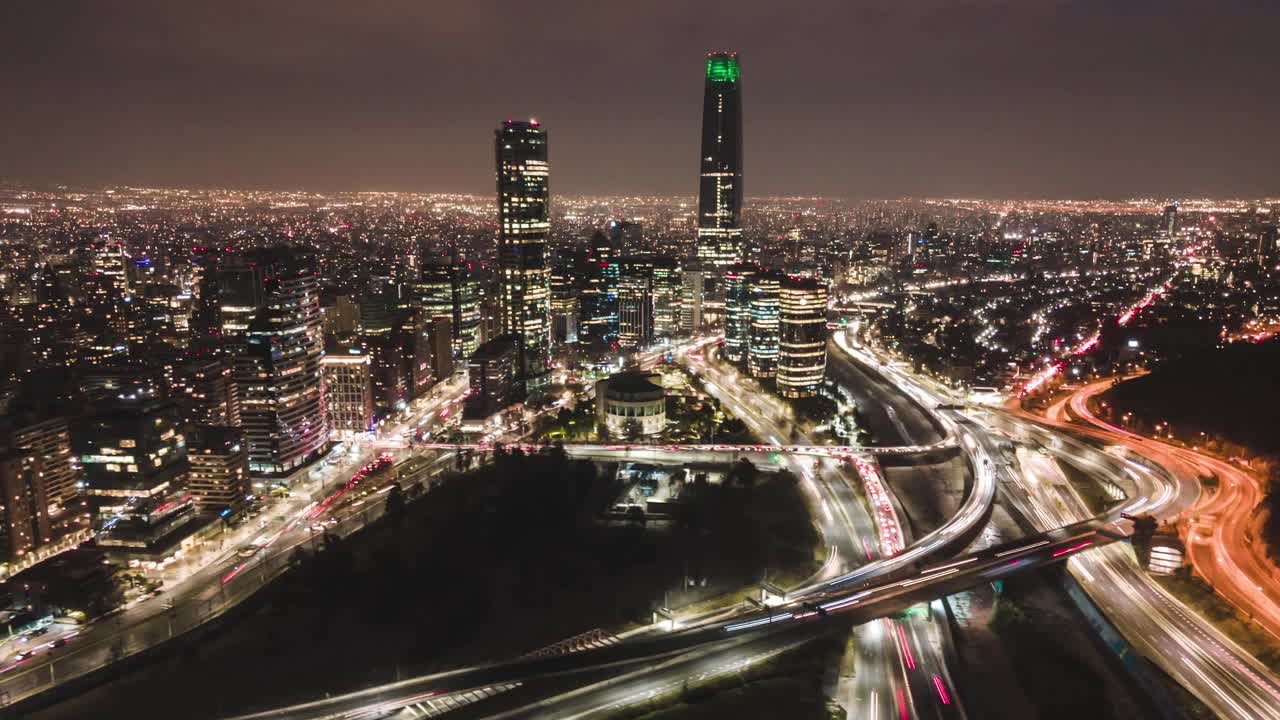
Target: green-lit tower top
[{"x": 722, "y": 67}]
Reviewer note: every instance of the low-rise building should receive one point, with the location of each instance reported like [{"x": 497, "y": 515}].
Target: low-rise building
[{"x": 631, "y": 403}]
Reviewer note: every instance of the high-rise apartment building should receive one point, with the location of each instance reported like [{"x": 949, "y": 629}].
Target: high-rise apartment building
[
  {"x": 277, "y": 371},
  {"x": 50, "y": 439},
  {"x": 219, "y": 475},
  {"x": 24, "y": 509},
  {"x": 206, "y": 393},
  {"x": 802, "y": 336},
  {"x": 565, "y": 306},
  {"x": 720, "y": 185},
  {"x": 523, "y": 227}
]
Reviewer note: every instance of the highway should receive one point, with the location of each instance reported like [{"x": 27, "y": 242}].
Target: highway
[
  {"x": 844, "y": 521},
  {"x": 218, "y": 579},
  {"x": 913, "y": 644},
  {"x": 858, "y": 604},
  {"x": 1215, "y": 530},
  {"x": 1223, "y": 676},
  {"x": 1232, "y": 683}
]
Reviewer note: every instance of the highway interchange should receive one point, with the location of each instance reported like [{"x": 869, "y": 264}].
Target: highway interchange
[{"x": 876, "y": 569}]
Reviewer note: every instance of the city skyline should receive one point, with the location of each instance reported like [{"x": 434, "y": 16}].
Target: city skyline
[
  {"x": 918, "y": 99},
  {"x": 582, "y": 449}
]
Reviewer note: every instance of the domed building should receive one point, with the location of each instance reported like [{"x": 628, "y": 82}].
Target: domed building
[{"x": 631, "y": 397}]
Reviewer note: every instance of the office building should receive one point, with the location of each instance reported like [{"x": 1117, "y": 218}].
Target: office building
[
  {"x": 427, "y": 348},
  {"x": 565, "y": 307},
  {"x": 523, "y": 227},
  {"x": 635, "y": 302},
  {"x": 692, "y": 293},
  {"x": 737, "y": 310},
  {"x": 600, "y": 296},
  {"x": 720, "y": 185},
  {"x": 219, "y": 470},
  {"x": 278, "y": 377},
  {"x": 449, "y": 289},
  {"x": 762, "y": 343},
  {"x": 348, "y": 391},
  {"x": 131, "y": 452},
  {"x": 492, "y": 374},
  {"x": 802, "y": 337},
  {"x": 668, "y": 296}
]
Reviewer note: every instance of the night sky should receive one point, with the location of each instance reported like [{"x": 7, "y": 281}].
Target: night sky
[{"x": 880, "y": 98}]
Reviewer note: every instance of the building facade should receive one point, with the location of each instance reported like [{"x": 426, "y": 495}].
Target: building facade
[
  {"x": 720, "y": 180},
  {"x": 448, "y": 289},
  {"x": 282, "y": 409},
  {"x": 24, "y": 509},
  {"x": 206, "y": 393},
  {"x": 348, "y": 391},
  {"x": 219, "y": 474},
  {"x": 737, "y": 311},
  {"x": 631, "y": 404},
  {"x": 762, "y": 345},
  {"x": 802, "y": 336},
  {"x": 668, "y": 296},
  {"x": 50, "y": 439},
  {"x": 635, "y": 302},
  {"x": 524, "y": 224},
  {"x": 131, "y": 452},
  {"x": 492, "y": 375}
]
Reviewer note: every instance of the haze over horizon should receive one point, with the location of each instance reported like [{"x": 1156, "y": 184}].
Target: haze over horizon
[{"x": 923, "y": 98}]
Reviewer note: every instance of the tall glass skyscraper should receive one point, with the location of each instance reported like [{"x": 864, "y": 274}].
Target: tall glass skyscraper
[
  {"x": 277, "y": 370},
  {"x": 720, "y": 185},
  {"x": 802, "y": 319},
  {"x": 737, "y": 310},
  {"x": 762, "y": 345},
  {"x": 448, "y": 289},
  {"x": 524, "y": 199}
]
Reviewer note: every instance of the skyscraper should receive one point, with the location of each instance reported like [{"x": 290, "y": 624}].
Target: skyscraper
[
  {"x": 737, "y": 311},
  {"x": 762, "y": 346},
  {"x": 600, "y": 296},
  {"x": 523, "y": 226},
  {"x": 802, "y": 336},
  {"x": 448, "y": 289},
  {"x": 348, "y": 391},
  {"x": 635, "y": 302},
  {"x": 691, "y": 300},
  {"x": 277, "y": 372},
  {"x": 668, "y": 296},
  {"x": 565, "y": 308},
  {"x": 720, "y": 184}
]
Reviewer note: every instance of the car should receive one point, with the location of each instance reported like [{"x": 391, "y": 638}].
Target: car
[
  {"x": 58, "y": 643},
  {"x": 24, "y": 655}
]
